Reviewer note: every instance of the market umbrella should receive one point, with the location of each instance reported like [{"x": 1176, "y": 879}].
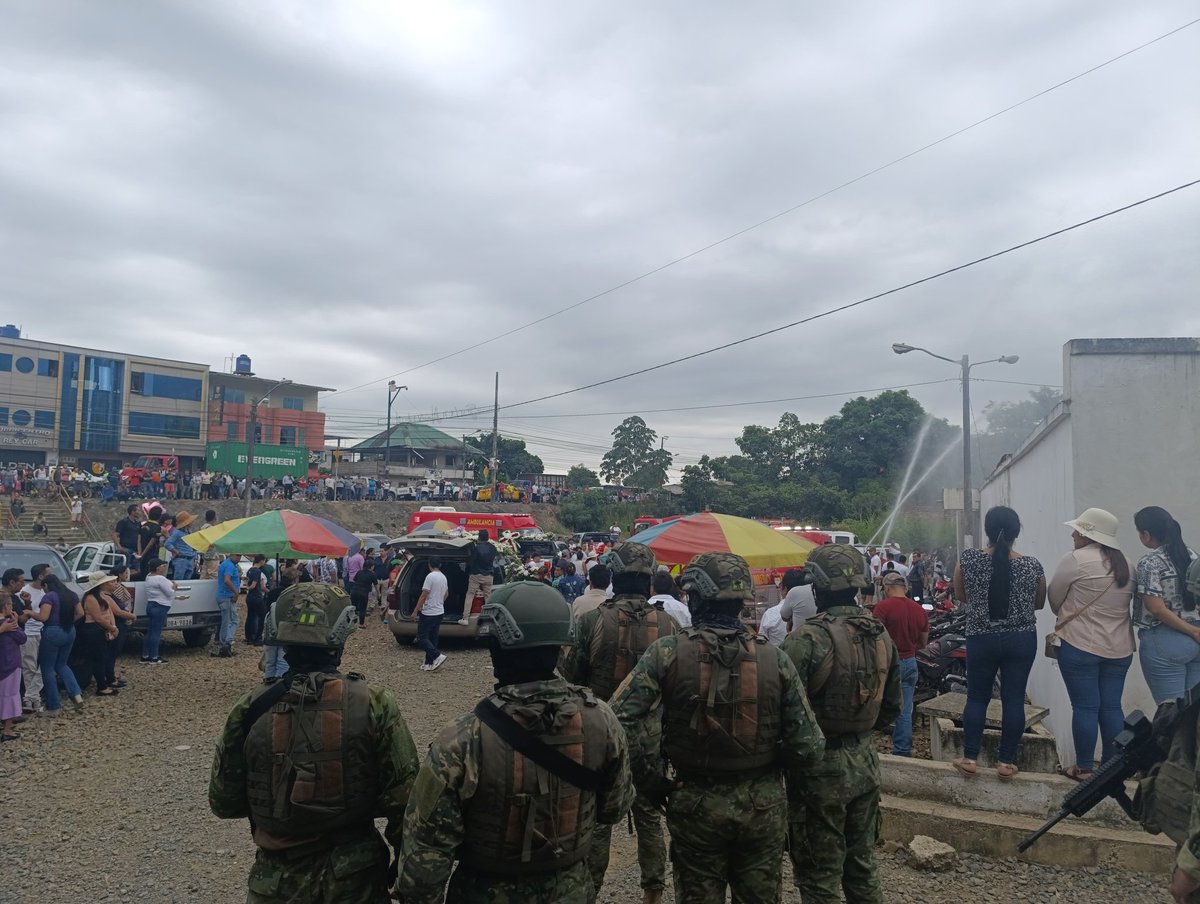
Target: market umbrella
[
  {"x": 678, "y": 542},
  {"x": 285, "y": 534},
  {"x": 438, "y": 526}
]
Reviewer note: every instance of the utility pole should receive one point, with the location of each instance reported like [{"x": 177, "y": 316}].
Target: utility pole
[
  {"x": 393, "y": 391},
  {"x": 496, "y": 440},
  {"x": 968, "y": 529},
  {"x": 251, "y": 430}
]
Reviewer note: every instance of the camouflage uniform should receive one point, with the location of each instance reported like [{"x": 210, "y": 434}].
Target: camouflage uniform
[
  {"x": 602, "y": 665},
  {"x": 345, "y": 865},
  {"x": 727, "y": 823},
  {"x": 519, "y": 832},
  {"x": 834, "y": 816}
]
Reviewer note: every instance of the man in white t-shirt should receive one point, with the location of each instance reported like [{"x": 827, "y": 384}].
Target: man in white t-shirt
[
  {"x": 431, "y": 606},
  {"x": 663, "y": 585},
  {"x": 26, "y": 599},
  {"x": 772, "y": 626}
]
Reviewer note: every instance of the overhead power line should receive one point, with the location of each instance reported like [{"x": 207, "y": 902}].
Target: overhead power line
[
  {"x": 854, "y": 304},
  {"x": 776, "y": 216}
]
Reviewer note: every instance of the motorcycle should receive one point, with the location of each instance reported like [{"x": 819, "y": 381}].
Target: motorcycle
[{"x": 942, "y": 663}]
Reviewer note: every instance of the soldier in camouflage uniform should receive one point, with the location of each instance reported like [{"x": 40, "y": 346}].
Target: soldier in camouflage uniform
[
  {"x": 851, "y": 670},
  {"x": 513, "y": 791},
  {"x": 311, "y": 759},
  {"x": 734, "y": 714},
  {"x": 608, "y": 642}
]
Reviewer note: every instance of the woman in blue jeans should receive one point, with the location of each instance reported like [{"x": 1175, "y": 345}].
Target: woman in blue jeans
[
  {"x": 1164, "y": 609},
  {"x": 1001, "y": 589},
  {"x": 1090, "y": 593},
  {"x": 58, "y": 611}
]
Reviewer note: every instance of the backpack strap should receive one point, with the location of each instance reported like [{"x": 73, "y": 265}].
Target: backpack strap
[
  {"x": 262, "y": 705},
  {"x": 521, "y": 739}
]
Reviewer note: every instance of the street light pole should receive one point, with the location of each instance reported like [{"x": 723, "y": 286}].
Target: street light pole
[
  {"x": 393, "y": 391},
  {"x": 966, "y": 527},
  {"x": 251, "y": 429}
]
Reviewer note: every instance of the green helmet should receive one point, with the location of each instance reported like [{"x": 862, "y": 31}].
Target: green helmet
[
  {"x": 526, "y": 614},
  {"x": 718, "y": 576},
  {"x": 630, "y": 558},
  {"x": 311, "y": 615},
  {"x": 837, "y": 566}
]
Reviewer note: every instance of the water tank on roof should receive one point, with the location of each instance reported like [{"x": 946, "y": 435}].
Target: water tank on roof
[
  {"x": 8, "y": 331},
  {"x": 242, "y": 364}
]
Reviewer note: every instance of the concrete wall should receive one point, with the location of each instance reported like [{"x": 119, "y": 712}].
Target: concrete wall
[{"x": 1124, "y": 438}]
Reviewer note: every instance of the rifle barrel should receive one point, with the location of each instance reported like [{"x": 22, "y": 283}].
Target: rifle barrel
[{"x": 1030, "y": 840}]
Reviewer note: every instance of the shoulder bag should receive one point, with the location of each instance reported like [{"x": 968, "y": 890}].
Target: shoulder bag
[{"x": 1053, "y": 641}]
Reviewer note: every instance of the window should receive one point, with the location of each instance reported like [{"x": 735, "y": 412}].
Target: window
[
  {"x": 145, "y": 424},
  {"x": 47, "y": 367},
  {"x": 295, "y": 404},
  {"x": 162, "y": 386},
  {"x": 21, "y": 418},
  {"x": 450, "y": 461},
  {"x": 43, "y": 420},
  {"x": 3, "y": 417},
  {"x": 235, "y": 396},
  {"x": 287, "y": 436},
  {"x": 6, "y": 362},
  {"x": 25, "y": 365},
  {"x": 137, "y": 382},
  {"x": 231, "y": 431}
]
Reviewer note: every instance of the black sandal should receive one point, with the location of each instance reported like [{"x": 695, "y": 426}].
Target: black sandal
[{"x": 107, "y": 692}]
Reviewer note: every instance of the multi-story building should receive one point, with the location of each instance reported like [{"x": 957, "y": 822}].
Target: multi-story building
[
  {"x": 82, "y": 406},
  {"x": 287, "y": 412}
]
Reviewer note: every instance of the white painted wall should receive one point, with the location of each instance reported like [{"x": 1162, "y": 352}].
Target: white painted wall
[{"x": 1125, "y": 438}]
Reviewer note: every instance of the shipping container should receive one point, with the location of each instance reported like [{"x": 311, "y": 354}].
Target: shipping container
[{"x": 269, "y": 461}]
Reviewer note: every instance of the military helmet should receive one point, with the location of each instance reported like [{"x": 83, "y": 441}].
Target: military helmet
[
  {"x": 718, "y": 576},
  {"x": 837, "y": 566},
  {"x": 630, "y": 558},
  {"x": 311, "y": 615},
  {"x": 526, "y": 614}
]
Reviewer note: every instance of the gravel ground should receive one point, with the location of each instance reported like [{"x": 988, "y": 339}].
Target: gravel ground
[{"x": 109, "y": 804}]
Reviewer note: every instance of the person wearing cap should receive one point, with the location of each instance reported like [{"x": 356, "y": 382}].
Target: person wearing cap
[
  {"x": 349, "y": 758},
  {"x": 733, "y": 716},
  {"x": 183, "y": 556},
  {"x": 1090, "y": 594},
  {"x": 908, "y": 626},
  {"x": 609, "y": 640},
  {"x": 851, "y": 671},
  {"x": 514, "y": 789}
]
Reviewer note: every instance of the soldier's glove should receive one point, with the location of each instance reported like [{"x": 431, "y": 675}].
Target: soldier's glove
[{"x": 660, "y": 791}]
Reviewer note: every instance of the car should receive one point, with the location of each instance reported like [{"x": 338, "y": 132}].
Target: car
[
  {"x": 453, "y": 553},
  {"x": 24, "y": 555},
  {"x": 593, "y": 536}
]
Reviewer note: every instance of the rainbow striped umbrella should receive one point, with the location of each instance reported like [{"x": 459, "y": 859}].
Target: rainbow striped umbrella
[
  {"x": 284, "y": 533},
  {"x": 678, "y": 542}
]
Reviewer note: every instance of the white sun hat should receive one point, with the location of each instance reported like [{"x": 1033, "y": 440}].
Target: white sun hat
[{"x": 1097, "y": 524}]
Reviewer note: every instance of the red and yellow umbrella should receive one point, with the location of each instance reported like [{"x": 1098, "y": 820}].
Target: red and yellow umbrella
[{"x": 675, "y": 543}]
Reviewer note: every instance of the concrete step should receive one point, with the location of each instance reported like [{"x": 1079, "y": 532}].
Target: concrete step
[{"x": 1070, "y": 844}]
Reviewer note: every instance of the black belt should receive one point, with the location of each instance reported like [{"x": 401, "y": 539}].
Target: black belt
[
  {"x": 847, "y": 740},
  {"x": 720, "y": 778}
]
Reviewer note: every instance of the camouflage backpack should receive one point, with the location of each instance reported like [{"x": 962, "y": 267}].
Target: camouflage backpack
[
  {"x": 1163, "y": 800},
  {"x": 311, "y": 765},
  {"x": 846, "y": 691},
  {"x": 626, "y": 627}
]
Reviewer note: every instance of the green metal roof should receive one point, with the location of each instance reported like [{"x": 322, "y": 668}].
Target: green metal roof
[{"x": 414, "y": 436}]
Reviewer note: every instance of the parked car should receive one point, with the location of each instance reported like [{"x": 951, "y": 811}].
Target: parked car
[
  {"x": 194, "y": 611},
  {"x": 24, "y": 555},
  {"x": 593, "y": 536},
  {"x": 453, "y": 553}
]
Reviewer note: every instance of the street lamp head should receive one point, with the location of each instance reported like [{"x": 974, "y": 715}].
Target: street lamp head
[
  {"x": 391, "y": 384},
  {"x": 901, "y": 348},
  {"x": 1009, "y": 359}
]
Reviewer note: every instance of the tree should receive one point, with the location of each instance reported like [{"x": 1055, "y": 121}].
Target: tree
[
  {"x": 580, "y": 478},
  {"x": 515, "y": 459},
  {"x": 633, "y": 460}
]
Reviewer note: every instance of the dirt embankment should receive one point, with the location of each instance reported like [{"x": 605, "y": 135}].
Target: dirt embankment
[{"x": 389, "y": 518}]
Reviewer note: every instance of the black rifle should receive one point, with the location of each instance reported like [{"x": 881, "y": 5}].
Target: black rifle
[{"x": 1137, "y": 748}]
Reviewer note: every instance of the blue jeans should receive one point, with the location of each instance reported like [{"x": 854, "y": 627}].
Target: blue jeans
[
  {"x": 427, "y": 636},
  {"x": 902, "y": 730},
  {"x": 1170, "y": 662},
  {"x": 53, "y": 656},
  {"x": 181, "y": 569},
  {"x": 1094, "y": 685},
  {"x": 274, "y": 663},
  {"x": 229, "y": 621},
  {"x": 1010, "y": 653},
  {"x": 157, "y": 613}
]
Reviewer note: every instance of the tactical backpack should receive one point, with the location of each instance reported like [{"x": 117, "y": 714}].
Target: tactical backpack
[
  {"x": 846, "y": 691},
  {"x": 523, "y": 818},
  {"x": 311, "y": 767},
  {"x": 1163, "y": 800},
  {"x": 722, "y": 702},
  {"x": 626, "y": 628}
]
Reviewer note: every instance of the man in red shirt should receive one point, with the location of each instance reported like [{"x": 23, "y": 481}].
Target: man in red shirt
[{"x": 908, "y": 626}]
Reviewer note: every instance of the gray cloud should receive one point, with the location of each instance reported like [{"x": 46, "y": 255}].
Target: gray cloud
[{"x": 351, "y": 190}]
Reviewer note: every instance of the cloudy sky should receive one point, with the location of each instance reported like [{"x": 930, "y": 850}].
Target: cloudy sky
[{"x": 348, "y": 191}]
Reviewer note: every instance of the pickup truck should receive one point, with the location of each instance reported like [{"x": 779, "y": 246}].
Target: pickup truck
[{"x": 194, "y": 611}]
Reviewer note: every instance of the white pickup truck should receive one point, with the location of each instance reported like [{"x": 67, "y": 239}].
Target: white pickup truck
[{"x": 194, "y": 611}]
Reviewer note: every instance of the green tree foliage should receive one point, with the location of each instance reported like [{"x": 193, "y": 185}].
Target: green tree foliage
[
  {"x": 515, "y": 459},
  {"x": 633, "y": 460},
  {"x": 1009, "y": 424},
  {"x": 580, "y": 478}
]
